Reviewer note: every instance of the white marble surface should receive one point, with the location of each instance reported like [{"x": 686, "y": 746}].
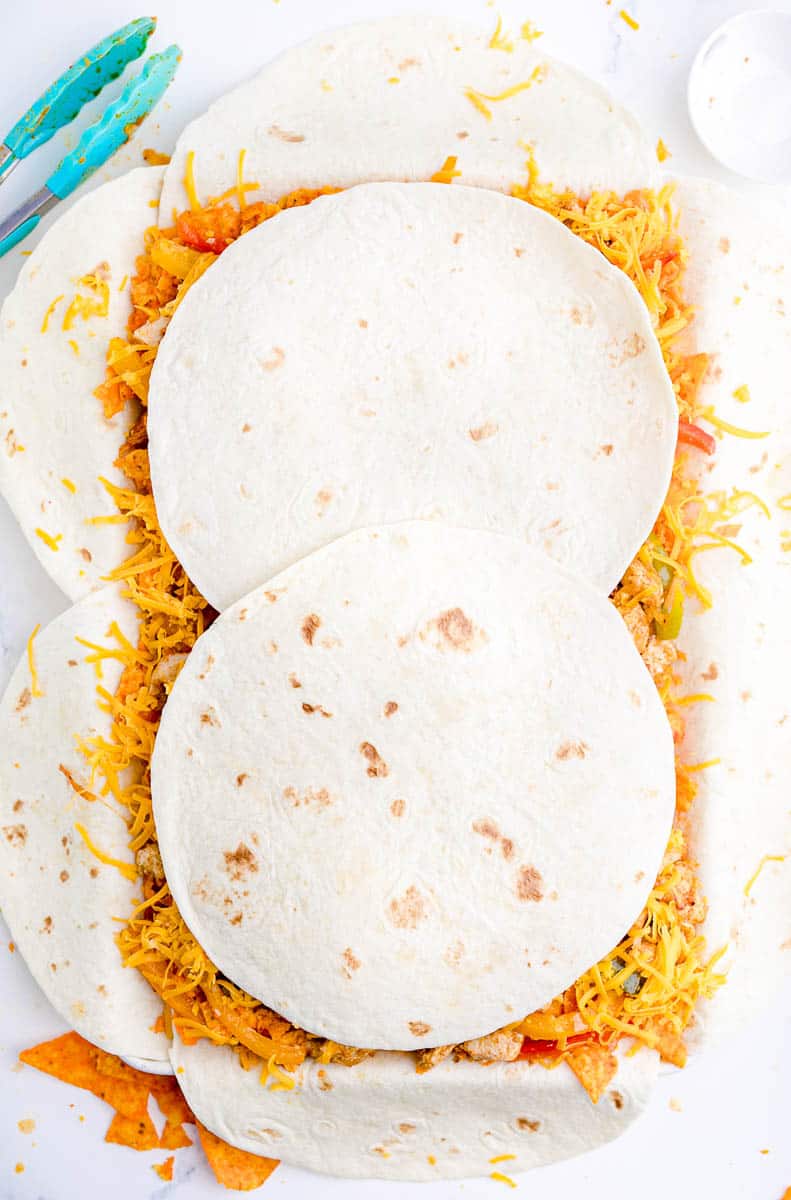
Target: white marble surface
[{"x": 727, "y": 1108}]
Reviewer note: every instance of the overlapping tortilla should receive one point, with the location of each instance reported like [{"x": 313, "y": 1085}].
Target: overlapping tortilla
[
  {"x": 391, "y": 99},
  {"x": 59, "y": 898},
  {"x": 381, "y": 1120},
  {"x": 392, "y": 762},
  {"x": 739, "y": 651},
  {"x": 55, "y": 441},
  {"x": 405, "y": 351}
]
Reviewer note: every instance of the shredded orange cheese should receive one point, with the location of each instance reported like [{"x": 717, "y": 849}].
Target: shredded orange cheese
[
  {"x": 734, "y": 430},
  {"x": 69, "y": 485},
  {"x": 766, "y": 858},
  {"x": 48, "y": 539},
  {"x": 500, "y": 1178},
  {"x": 500, "y": 40},
  {"x": 662, "y": 152},
  {"x": 478, "y": 99},
  {"x": 529, "y": 33},
  {"x": 126, "y": 869},
  {"x": 742, "y": 394},
  {"x": 95, "y": 304},
  {"x": 447, "y": 172},
  {"x": 35, "y": 690},
  {"x": 189, "y": 181},
  {"x": 630, "y": 21},
  {"x": 49, "y": 312}
]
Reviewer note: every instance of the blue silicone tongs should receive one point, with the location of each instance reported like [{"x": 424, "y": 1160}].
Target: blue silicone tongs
[{"x": 61, "y": 103}]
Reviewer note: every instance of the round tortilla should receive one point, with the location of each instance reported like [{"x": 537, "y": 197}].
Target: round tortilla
[
  {"x": 420, "y": 753},
  {"x": 389, "y": 100},
  {"x": 56, "y": 441},
  {"x": 381, "y": 1120},
  {"x": 739, "y": 650},
  {"x": 404, "y": 351},
  {"x": 58, "y": 898}
]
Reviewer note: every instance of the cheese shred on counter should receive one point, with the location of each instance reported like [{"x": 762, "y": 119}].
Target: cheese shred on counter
[{"x": 647, "y": 988}]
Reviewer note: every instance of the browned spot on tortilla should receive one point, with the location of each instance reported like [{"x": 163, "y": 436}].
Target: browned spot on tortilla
[
  {"x": 207, "y": 668},
  {"x": 630, "y": 347},
  {"x": 315, "y": 708},
  {"x": 576, "y": 316},
  {"x": 529, "y": 884},
  {"x": 786, "y": 945},
  {"x": 390, "y": 708},
  {"x": 210, "y": 718},
  {"x": 292, "y": 679},
  {"x": 463, "y": 134},
  {"x": 507, "y": 848},
  {"x": 487, "y": 829},
  {"x": 15, "y": 835},
  {"x": 277, "y": 359},
  {"x": 24, "y": 699},
  {"x": 711, "y": 672},
  {"x": 309, "y": 627},
  {"x": 759, "y": 465},
  {"x": 241, "y": 778},
  {"x": 454, "y": 953},
  {"x": 398, "y": 808},
  {"x": 274, "y": 595},
  {"x": 456, "y": 631},
  {"x": 272, "y": 648},
  {"x": 487, "y": 430},
  {"x": 606, "y": 449},
  {"x": 318, "y": 796},
  {"x": 85, "y": 554},
  {"x": 64, "y": 875},
  {"x": 242, "y": 614},
  {"x": 458, "y": 235},
  {"x": 72, "y": 662},
  {"x": 46, "y": 926},
  {"x": 406, "y": 1127},
  {"x": 246, "y": 428},
  {"x": 323, "y": 498},
  {"x": 94, "y": 871},
  {"x": 617, "y": 1099},
  {"x": 407, "y": 911},
  {"x": 519, "y": 251},
  {"x": 406, "y": 63},
  {"x": 377, "y": 767},
  {"x": 419, "y": 1028},
  {"x": 724, "y": 244},
  {"x": 236, "y": 919},
  {"x": 639, "y": 876},
  {"x": 53, "y": 966},
  {"x": 572, "y": 750},
  {"x": 240, "y": 862},
  {"x": 285, "y": 135},
  {"x": 351, "y": 962},
  {"x": 362, "y": 323},
  {"x": 18, "y": 805},
  {"x": 635, "y": 699},
  {"x": 526, "y": 1123}
]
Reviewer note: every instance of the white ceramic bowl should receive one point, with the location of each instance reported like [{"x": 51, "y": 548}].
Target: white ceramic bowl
[{"x": 739, "y": 95}]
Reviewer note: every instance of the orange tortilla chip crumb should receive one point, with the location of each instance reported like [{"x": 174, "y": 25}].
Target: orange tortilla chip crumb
[
  {"x": 155, "y": 158},
  {"x": 138, "y": 1133},
  {"x": 73, "y": 1060},
  {"x": 234, "y": 1169},
  {"x": 594, "y": 1065},
  {"x": 174, "y": 1137},
  {"x": 165, "y": 1170}
]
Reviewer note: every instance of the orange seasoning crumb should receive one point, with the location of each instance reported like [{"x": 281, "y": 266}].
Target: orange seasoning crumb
[
  {"x": 164, "y": 1170},
  {"x": 19, "y": 1168},
  {"x": 662, "y": 151},
  {"x": 155, "y": 158}
]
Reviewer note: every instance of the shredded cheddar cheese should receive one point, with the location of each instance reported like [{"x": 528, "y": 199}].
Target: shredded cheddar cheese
[
  {"x": 189, "y": 181},
  {"x": 662, "y": 152},
  {"x": 529, "y": 33},
  {"x": 734, "y": 430},
  {"x": 742, "y": 394},
  {"x": 630, "y": 21},
  {"x": 779, "y": 858},
  {"x": 48, "y": 539},
  {"x": 447, "y": 172},
  {"x": 500, "y": 1178},
  {"x": 479, "y": 99},
  {"x": 500, "y": 40},
  {"x": 49, "y": 312},
  {"x": 95, "y": 304},
  {"x": 35, "y": 690},
  {"x": 126, "y": 869},
  {"x": 69, "y": 485}
]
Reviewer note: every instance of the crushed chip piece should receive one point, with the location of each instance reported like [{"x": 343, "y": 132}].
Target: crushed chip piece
[
  {"x": 73, "y": 1060},
  {"x": 594, "y": 1065},
  {"x": 138, "y": 1133},
  {"x": 164, "y": 1170},
  {"x": 234, "y": 1169}
]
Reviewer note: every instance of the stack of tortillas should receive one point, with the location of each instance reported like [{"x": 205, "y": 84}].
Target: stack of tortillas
[{"x": 406, "y": 440}]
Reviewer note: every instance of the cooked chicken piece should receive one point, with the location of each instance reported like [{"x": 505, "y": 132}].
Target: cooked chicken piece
[
  {"x": 168, "y": 668},
  {"x": 640, "y": 578},
  {"x": 659, "y": 658},
  {"x": 345, "y": 1056},
  {"x": 691, "y": 904},
  {"x": 426, "y": 1059},
  {"x": 638, "y": 625},
  {"x": 503, "y": 1046},
  {"x": 149, "y": 862}
]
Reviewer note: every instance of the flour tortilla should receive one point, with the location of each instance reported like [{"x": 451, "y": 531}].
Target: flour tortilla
[
  {"x": 386, "y": 100},
  {"x": 381, "y": 1120},
  {"x": 408, "y": 351},
  {"x": 58, "y": 898},
  {"x": 417, "y": 754},
  {"x": 51, "y": 425},
  {"x": 739, "y": 651}
]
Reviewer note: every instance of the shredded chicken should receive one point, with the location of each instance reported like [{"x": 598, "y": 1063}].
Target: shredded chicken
[
  {"x": 642, "y": 580},
  {"x": 426, "y": 1059},
  {"x": 637, "y": 623},
  {"x": 495, "y": 1047},
  {"x": 659, "y": 658}
]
